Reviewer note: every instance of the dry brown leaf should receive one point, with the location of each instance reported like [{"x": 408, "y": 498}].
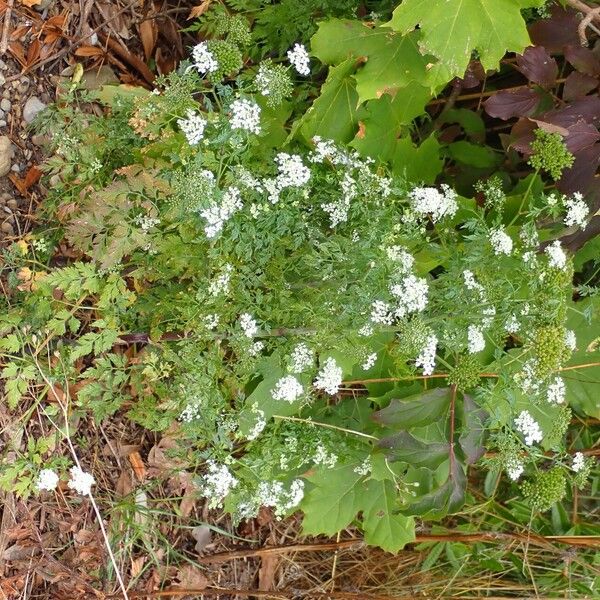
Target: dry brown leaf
[
  {"x": 137, "y": 564},
  {"x": 203, "y": 536},
  {"x": 138, "y": 465},
  {"x": 30, "y": 3},
  {"x": 191, "y": 577},
  {"x": 149, "y": 36},
  {"x": 33, "y": 52},
  {"x": 198, "y": 11},
  {"x": 89, "y": 51}
]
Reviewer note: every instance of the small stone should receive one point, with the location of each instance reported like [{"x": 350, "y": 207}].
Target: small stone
[
  {"x": 12, "y": 204},
  {"x": 7, "y": 228},
  {"x": 5, "y": 104},
  {"x": 16, "y": 168},
  {"x": 32, "y": 108},
  {"x": 15, "y": 84},
  {"x": 3, "y": 65},
  {"x": 39, "y": 140},
  {"x": 55, "y": 180},
  {"x": 2, "y": 123},
  {"x": 6, "y": 93},
  {"x": 7, "y": 151},
  {"x": 2, "y": 79}
]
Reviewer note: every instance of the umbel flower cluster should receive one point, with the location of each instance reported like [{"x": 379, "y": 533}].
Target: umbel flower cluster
[{"x": 299, "y": 269}]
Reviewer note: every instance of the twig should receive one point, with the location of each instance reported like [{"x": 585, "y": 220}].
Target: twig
[
  {"x": 590, "y": 14},
  {"x": 587, "y": 541},
  {"x": 5, "y": 29}
]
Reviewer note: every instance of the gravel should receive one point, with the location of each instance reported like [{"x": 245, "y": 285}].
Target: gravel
[
  {"x": 32, "y": 108},
  {"x": 7, "y": 152}
]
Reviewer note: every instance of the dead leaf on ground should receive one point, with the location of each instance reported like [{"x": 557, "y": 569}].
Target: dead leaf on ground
[
  {"x": 30, "y": 3},
  {"x": 191, "y": 577},
  {"x": 203, "y": 536},
  {"x": 198, "y": 11},
  {"x": 149, "y": 36},
  {"x": 138, "y": 465}
]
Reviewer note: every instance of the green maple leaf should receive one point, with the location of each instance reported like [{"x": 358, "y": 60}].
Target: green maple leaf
[
  {"x": 338, "y": 496},
  {"x": 382, "y": 524},
  {"x": 451, "y": 30}
]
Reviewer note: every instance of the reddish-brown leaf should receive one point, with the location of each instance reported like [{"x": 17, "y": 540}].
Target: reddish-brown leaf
[
  {"x": 581, "y": 135},
  {"x": 557, "y": 31},
  {"x": 198, "y": 11},
  {"x": 578, "y": 85},
  {"x": 538, "y": 66},
  {"x": 585, "y": 109},
  {"x": 580, "y": 176},
  {"x": 138, "y": 465},
  {"x": 89, "y": 51},
  {"x": 17, "y": 50},
  {"x": 518, "y": 103},
  {"x": 148, "y": 35},
  {"x": 474, "y": 75},
  {"x": 583, "y": 59},
  {"x": 33, "y": 52}
]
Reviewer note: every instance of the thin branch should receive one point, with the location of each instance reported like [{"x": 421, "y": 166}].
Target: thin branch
[{"x": 589, "y": 14}]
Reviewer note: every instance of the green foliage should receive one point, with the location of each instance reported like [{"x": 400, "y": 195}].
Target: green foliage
[{"x": 550, "y": 153}]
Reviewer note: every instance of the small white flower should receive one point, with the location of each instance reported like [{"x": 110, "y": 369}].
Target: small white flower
[
  {"x": 366, "y": 330},
  {"x": 190, "y": 413},
  {"x": 256, "y": 348},
  {"x": 514, "y": 468},
  {"x": 411, "y": 294},
  {"x": 47, "y": 480},
  {"x": 578, "y": 462},
  {"x": 325, "y": 458},
  {"x": 501, "y": 242},
  {"x": 259, "y": 424},
  {"x": 512, "y": 324},
  {"x": 204, "y": 59},
  {"x": 556, "y": 391},
  {"x": 369, "y": 361},
  {"x": 527, "y": 425},
  {"x": 476, "y": 341},
  {"x": 217, "y": 214},
  {"x": 81, "y": 481},
  {"x": 399, "y": 255},
  {"x": 220, "y": 285},
  {"x": 292, "y": 171},
  {"x": 577, "y": 211},
  {"x": 430, "y": 201},
  {"x": 193, "y": 127},
  {"x": 217, "y": 483},
  {"x": 299, "y": 58},
  {"x": 245, "y": 114},
  {"x": 302, "y": 358},
  {"x": 470, "y": 282},
  {"x": 248, "y": 325},
  {"x": 329, "y": 378},
  {"x": 364, "y": 468},
  {"x": 426, "y": 359},
  {"x": 570, "y": 340},
  {"x": 288, "y": 388},
  {"x": 381, "y": 313},
  {"x": 556, "y": 255}
]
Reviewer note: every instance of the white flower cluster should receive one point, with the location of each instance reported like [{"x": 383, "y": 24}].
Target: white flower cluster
[
  {"x": 381, "y": 313},
  {"x": 369, "y": 361},
  {"x": 501, "y": 242},
  {"x": 578, "y": 462},
  {"x": 193, "y": 127},
  {"x": 514, "y": 468},
  {"x": 556, "y": 391},
  {"x": 364, "y": 468},
  {"x": 204, "y": 59},
  {"x": 274, "y": 495},
  {"x": 530, "y": 383},
  {"x": 292, "y": 171},
  {"x": 402, "y": 257},
  {"x": 217, "y": 214},
  {"x": 325, "y": 458},
  {"x": 328, "y": 150},
  {"x": 245, "y": 114},
  {"x": 471, "y": 283},
  {"x": 146, "y": 222},
  {"x": 190, "y": 413},
  {"x": 430, "y": 201},
  {"x": 337, "y": 211},
  {"x": 217, "y": 483},
  {"x": 512, "y": 324},
  {"x": 556, "y": 255},
  {"x": 288, "y": 388},
  {"x": 577, "y": 211},
  {"x": 248, "y": 325},
  {"x": 211, "y": 321},
  {"x": 81, "y": 481},
  {"x": 529, "y": 427},
  {"x": 476, "y": 341},
  {"x": 47, "y": 480},
  {"x": 411, "y": 295},
  {"x": 299, "y": 58},
  {"x": 329, "y": 378},
  {"x": 259, "y": 424},
  {"x": 302, "y": 358},
  {"x": 570, "y": 340},
  {"x": 220, "y": 285},
  {"x": 426, "y": 359}
]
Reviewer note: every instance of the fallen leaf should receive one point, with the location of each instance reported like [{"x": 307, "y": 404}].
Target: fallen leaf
[
  {"x": 198, "y": 11},
  {"x": 138, "y": 465},
  {"x": 191, "y": 577},
  {"x": 149, "y": 36},
  {"x": 203, "y": 536},
  {"x": 30, "y": 3}
]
